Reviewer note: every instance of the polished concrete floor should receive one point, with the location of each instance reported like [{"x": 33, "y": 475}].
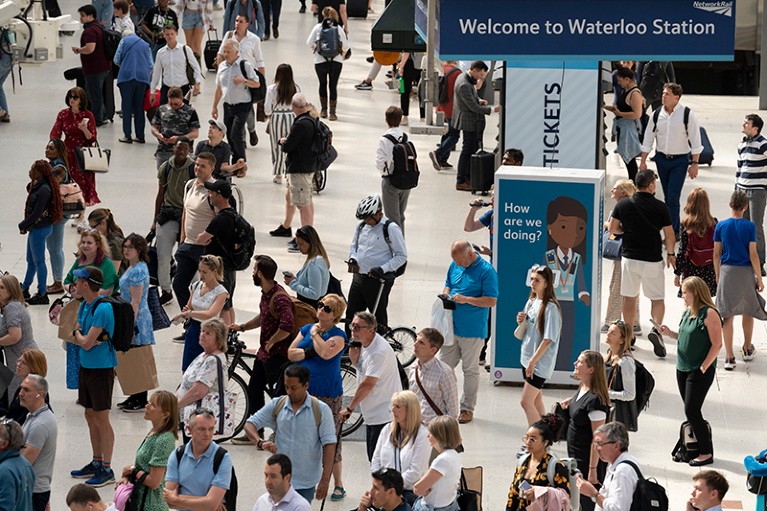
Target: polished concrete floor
[{"x": 435, "y": 218}]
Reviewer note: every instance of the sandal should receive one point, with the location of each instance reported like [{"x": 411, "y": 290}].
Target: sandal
[{"x": 338, "y": 494}]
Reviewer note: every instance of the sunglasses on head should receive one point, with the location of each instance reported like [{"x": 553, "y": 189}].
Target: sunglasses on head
[
  {"x": 203, "y": 411},
  {"x": 324, "y": 307}
]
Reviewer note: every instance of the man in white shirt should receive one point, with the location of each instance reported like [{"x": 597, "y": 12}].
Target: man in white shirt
[
  {"x": 617, "y": 492},
  {"x": 394, "y": 199},
  {"x": 170, "y": 67},
  {"x": 708, "y": 490},
  {"x": 233, "y": 85},
  {"x": 377, "y": 377},
  {"x": 279, "y": 491},
  {"x": 676, "y": 133},
  {"x": 250, "y": 51},
  {"x": 121, "y": 21}
]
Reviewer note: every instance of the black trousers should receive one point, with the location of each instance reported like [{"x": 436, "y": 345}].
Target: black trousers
[
  {"x": 264, "y": 373},
  {"x": 362, "y": 296},
  {"x": 40, "y": 500},
  {"x": 371, "y": 438},
  {"x": 328, "y": 73},
  {"x": 693, "y": 387},
  {"x": 235, "y": 118},
  {"x": 470, "y": 146}
]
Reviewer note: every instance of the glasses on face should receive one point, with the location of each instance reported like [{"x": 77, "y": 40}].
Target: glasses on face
[
  {"x": 602, "y": 444},
  {"x": 355, "y": 328},
  {"x": 327, "y": 308},
  {"x": 528, "y": 438}
]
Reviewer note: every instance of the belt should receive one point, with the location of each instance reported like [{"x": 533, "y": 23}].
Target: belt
[{"x": 672, "y": 156}]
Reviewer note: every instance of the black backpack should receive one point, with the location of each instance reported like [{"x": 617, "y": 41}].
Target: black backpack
[
  {"x": 124, "y": 322},
  {"x": 230, "y": 497},
  {"x": 110, "y": 41},
  {"x": 442, "y": 96},
  {"x": 652, "y": 80},
  {"x": 256, "y": 93},
  {"x": 322, "y": 145},
  {"x": 645, "y": 384},
  {"x": 244, "y": 241},
  {"x": 648, "y": 494},
  {"x": 329, "y": 40},
  {"x": 405, "y": 174}
]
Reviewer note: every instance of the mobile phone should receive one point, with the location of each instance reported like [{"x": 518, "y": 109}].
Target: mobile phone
[
  {"x": 178, "y": 320},
  {"x": 480, "y": 203},
  {"x": 525, "y": 486},
  {"x": 656, "y": 325},
  {"x": 476, "y": 247},
  {"x": 287, "y": 274},
  {"x": 443, "y": 296},
  {"x": 355, "y": 344}
]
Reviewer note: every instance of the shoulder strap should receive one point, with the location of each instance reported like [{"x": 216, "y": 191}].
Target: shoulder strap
[
  {"x": 655, "y": 116},
  {"x": 386, "y": 232},
  {"x": 218, "y": 457},
  {"x": 686, "y": 119},
  {"x": 360, "y": 226},
  {"x": 453, "y": 70},
  {"x": 179, "y": 453},
  {"x": 278, "y": 408},
  {"x": 271, "y": 303},
  {"x": 317, "y": 411},
  {"x": 636, "y": 469},
  {"x": 426, "y": 394},
  {"x": 391, "y": 139},
  {"x": 221, "y": 399}
]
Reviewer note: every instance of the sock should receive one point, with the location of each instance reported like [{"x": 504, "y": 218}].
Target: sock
[
  {"x": 106, "y": 464},
  {"x": 98, "y": 460}
]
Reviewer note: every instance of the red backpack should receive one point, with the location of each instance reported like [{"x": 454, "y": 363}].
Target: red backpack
[{"x": 700, "y": 249}]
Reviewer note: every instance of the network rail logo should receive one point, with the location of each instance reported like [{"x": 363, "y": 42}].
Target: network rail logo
[{"x": 720, "y": 7}]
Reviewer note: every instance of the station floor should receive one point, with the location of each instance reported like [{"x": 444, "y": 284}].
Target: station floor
[{"x": 435, "y": 218}]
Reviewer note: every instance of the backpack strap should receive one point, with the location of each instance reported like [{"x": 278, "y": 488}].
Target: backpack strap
[
  {"x": 218, "y": 457},
  {"x": 636, "y": 469},
  {"x": 393, "y": 139},
  {"x": 315, "y": 409},
  {"x": 180, "y": 453},
  {"x": 271, "y": 304},
  {"x": 278, "y": 407}
]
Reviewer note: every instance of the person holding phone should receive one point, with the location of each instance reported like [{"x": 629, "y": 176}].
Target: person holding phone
[{"x": 311, "y": 281}]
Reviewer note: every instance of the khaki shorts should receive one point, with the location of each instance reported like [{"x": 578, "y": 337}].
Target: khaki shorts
[
  {"x": 650, "y": 276},
  {"x": 300, "y": 188}
]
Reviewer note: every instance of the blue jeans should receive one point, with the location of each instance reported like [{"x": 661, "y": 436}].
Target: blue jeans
[
  {"x": 104, "y": 11},
  {"x": 6, "y": 63},
  {"x": 448, "y": 142},
  {"x": 307, "y": 493},
  {"x": 36, "y": 258},
  {"x": 192, "y": 347},
  {"x": 672, "y": 173},
  {"x": 470, "y": 146},
  {"x": 187, "y": 260},
  {"x": 94, "y": 88},
  {"x": 132, "y": 100},
  {"x": 55, "y": 243}
]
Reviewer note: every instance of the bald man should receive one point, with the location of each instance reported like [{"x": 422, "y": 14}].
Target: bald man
[{"x": 472, "y": 284}]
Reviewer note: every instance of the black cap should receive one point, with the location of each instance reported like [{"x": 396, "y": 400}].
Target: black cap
[{"x": 221, "y": 187}]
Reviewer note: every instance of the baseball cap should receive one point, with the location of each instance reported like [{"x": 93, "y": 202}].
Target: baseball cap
[
  {"x": 221, "y": 187},
  {"x": 644, "y": 178},
  {"x": 91, "y": 274},
  {"x": 218, "y": 123}
]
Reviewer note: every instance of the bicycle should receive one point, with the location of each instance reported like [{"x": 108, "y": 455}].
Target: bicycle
[{"x": 239, "y": 388}]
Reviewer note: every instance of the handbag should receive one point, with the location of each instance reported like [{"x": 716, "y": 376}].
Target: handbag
[
  {"x": 564, "y": 416},
  {"x": 756, "y": 484},
  {"x": 469, "y": 495},
  {"x": 221, "y": 404},
  {"x": 93, "y": 159},
  {"x": 519, "y": 332},
  {"x": 160, "y": 319},
  {"x": 123, "y": 493},
  {"x": 72, "y": 201},
  {"x": 611, "y": 245}
]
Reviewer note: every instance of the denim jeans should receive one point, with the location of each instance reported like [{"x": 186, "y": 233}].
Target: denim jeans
[
  {"x": 757, "y": 201},
  {"x": 36, "y": 258},
  {"x": 132, "y": 100},
  {"x": 94, "y": 88},
  {"x": 192, "y": 348},
  {"x": 672, "y": 173},
  {"x": 187, "y": 259},
  {"x": 104, "y": 12},
  {"x": 5, "y": 69},
  {"x": 235, "y": 118},
  {"x": 448, "y": 142},
  {"x": 470, "y": 146},
  {"x": 55, "y": 243},
  {"x": 307, "y": 493}
]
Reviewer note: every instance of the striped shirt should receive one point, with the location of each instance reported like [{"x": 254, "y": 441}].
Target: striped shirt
[
  {"x": 439, "y": 381},
  {"x": 752, "y": 164}
]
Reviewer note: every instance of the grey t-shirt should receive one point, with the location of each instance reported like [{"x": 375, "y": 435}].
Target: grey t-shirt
[
  {"x": 15, "y": 315},
  {"x": 40, "y": 431}
]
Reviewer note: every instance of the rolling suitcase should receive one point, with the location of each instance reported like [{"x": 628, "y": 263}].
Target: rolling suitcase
[
  {"x": 481, "y": 171},
  {"x": 211, "y": 50},
  {"x": 357, "y": 8},
  {"x": 707, "y": 155}
]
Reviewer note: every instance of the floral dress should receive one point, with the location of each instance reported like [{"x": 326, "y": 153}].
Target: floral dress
[
  {"x": 515, "y": 502},
  {"x": 686, "y": 268},
  {"x": 67, "y": 124},
  {"x": 154, "y": 451},
  {"x": 139, "y": 276}
]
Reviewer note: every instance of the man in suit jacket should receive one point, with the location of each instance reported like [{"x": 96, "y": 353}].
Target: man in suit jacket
[{"x": 468, "y": 116}]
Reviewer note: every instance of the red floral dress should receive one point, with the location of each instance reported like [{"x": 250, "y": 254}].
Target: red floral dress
[{"x": 67, "y": 124}]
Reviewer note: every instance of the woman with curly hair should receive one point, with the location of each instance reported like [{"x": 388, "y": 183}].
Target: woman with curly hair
[
  {"x": 534, "y": 467},
  {"x": 41, "y": 211}
]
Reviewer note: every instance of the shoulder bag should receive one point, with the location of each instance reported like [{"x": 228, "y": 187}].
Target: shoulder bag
[
  {"x": 93, "y": 159},
  {"x": 611, "y": 245},
  {"x": 519, "y": 332},
  {"x": 221, "y": 404}
]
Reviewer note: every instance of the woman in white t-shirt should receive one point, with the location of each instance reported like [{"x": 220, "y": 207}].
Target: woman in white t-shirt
[
  {"x": 328, "y": 68},
  {"x": 438, "y": 488}
]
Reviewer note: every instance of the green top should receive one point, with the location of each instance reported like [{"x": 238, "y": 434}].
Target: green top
[
  {"x": 154, "y": 451},
  {"x": 107, "y": 267},
  {"x": 694, "y": 344}
]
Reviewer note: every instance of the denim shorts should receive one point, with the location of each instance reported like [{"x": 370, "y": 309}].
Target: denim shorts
[{"x": 191, "y": 20}]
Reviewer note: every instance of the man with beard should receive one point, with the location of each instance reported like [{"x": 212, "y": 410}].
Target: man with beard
[{"x": 276, "y": 322}]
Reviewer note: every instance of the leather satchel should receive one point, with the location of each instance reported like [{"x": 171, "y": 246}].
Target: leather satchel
[{"x": 93, "y": 159}]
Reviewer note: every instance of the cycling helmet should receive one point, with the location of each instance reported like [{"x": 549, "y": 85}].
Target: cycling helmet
[{"x": 369, "y": 206}]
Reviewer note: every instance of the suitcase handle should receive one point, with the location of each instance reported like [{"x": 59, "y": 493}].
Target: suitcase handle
[{"x": 215, "y": 33}]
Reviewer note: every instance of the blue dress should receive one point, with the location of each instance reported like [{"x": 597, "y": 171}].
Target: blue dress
[{"x": 139, "y": 276}]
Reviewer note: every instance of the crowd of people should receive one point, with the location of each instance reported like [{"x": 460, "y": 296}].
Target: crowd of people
[{"x": 413, "y": 438}]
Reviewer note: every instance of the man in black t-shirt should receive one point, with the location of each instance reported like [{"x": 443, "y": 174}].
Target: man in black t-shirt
[
  {"x": 155, "y": 20},
  {"x": 640, "y": 219},
  {"x": 218, "y": 238},
  {"x": 221, "y": 150},
  {"x": 385, "y": 493}
]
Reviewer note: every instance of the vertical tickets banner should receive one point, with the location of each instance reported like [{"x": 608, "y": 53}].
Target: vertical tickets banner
[
  {"x": 552, "y": 113},
  {"x": 551, "y": 218}
]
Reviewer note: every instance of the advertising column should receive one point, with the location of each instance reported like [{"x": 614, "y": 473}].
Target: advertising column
[{"x": 551, "y": 218}]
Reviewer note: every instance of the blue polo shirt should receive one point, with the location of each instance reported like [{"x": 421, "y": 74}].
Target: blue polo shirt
[
  {"x": 102, "y": 355},
  {"x": 298, "y": 437},
  {"x": 195, "y": 476},
  {"x": 479, "y": 279}
]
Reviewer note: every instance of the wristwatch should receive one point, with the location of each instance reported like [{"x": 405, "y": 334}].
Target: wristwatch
[
  {"x": 594, "y": 498},
  {"x": 260, "y": 444},
  {"x": 348, "y": 409}
]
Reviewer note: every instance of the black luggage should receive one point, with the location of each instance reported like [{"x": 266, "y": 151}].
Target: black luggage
[
  {"x": 109, "y": 96},
  {"x": 211, "y": 50},
  {"x": 707, "y": 155},
  {"x": 357, "y": 8},
  {"x": 482, "y": 171},
  {"x": 686, "y": 448}
]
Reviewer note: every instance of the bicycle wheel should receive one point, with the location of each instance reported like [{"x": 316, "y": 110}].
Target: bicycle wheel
[
  {"x": 349, "y": 380},
  {"x": 402, "y": 340},
  {"x": 239, "y": 200},
  {"x": 239, "y": 389}
]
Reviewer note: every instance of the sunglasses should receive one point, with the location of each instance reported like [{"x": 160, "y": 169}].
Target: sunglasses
[
  {"x": 203, "y": 411},
  {"x": 327, "y": 308}
]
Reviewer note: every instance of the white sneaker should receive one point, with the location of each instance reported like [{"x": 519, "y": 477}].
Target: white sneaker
[
  {"x": 748, "y": 356},
  {"x": 729, "y": 364}
]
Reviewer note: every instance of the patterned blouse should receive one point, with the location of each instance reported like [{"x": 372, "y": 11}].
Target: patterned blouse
[{"x": 515, "y": 502}]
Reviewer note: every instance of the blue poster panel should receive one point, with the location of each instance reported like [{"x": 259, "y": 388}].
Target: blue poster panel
[
  {"x": 587, "y": 29},
  {"x": 550, "y": 218}
]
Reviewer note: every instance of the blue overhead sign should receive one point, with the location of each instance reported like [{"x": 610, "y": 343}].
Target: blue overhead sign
[{"x": 587, "y": 29}]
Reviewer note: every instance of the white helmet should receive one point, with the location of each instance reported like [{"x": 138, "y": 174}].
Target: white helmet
[{"x": 369, "y": 206}]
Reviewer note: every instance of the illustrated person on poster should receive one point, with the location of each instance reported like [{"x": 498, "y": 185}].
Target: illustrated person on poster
[{"x": 567, "y": 219}]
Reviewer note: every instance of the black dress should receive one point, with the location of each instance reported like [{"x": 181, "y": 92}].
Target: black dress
[
  {"x": 580, "y": 437},
  {"x": 622, "y": 105}
]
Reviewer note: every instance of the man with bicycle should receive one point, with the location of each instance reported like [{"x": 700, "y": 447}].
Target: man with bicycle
[{"x": 376, "y": 257}]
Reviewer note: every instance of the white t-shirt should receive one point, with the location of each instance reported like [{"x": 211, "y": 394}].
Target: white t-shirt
[
  {"x": 443, "y": 493},
  {"x": 379, "y": 361}
]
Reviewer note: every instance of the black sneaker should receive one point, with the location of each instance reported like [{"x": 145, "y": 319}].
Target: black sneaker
[
  {"x": 134, "y": 407},
  {"x": 282, "y": 232},
  {"x": 39, "y": 300},
  {"x": 657, "y": 343},
  {"x": 166, "y": 297},
  {"x": 253, "y": 134},
  {"x": 25, "y": 294},
  {"x": 302, "y": 9},
  {"x": 370, "y": 59},
  {"x": 123, "y": 404}
]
